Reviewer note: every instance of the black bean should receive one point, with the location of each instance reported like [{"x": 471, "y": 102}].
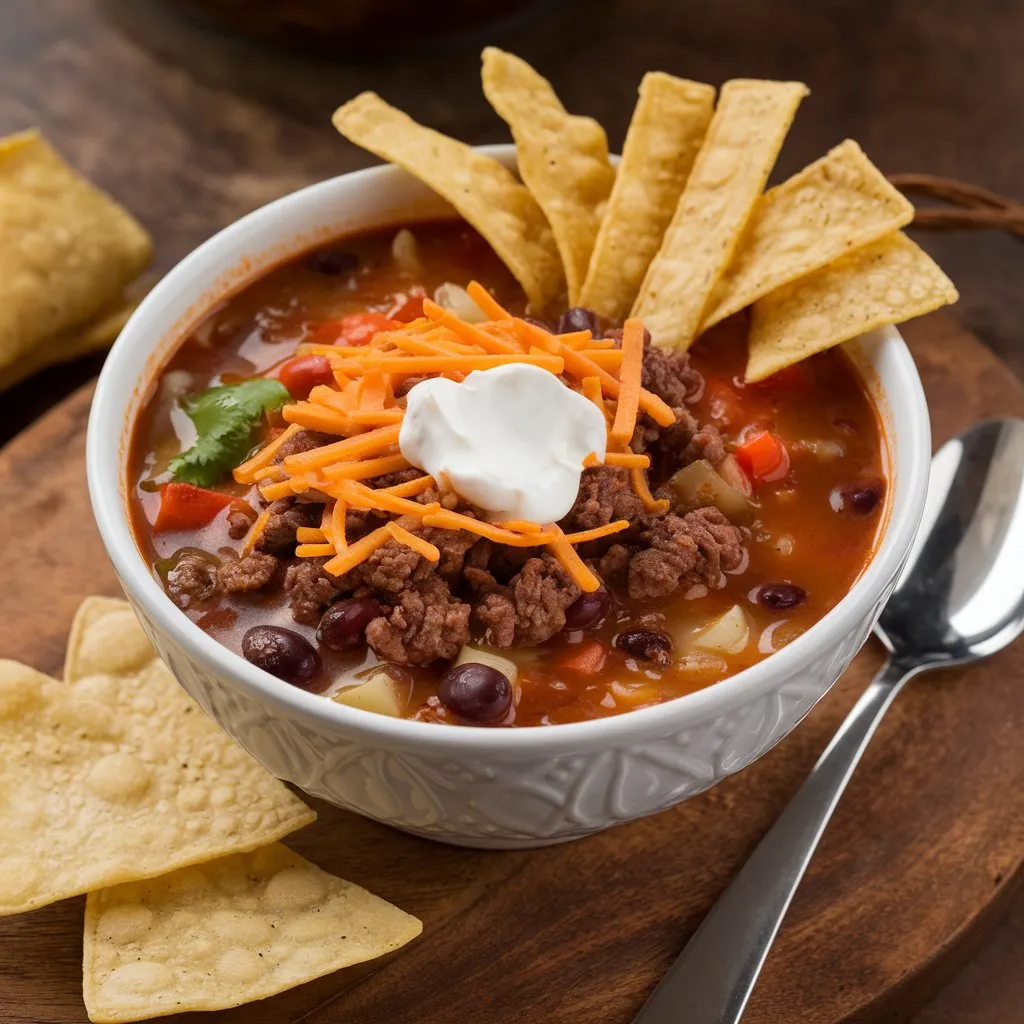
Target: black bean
[
  {"x": 475, "y": 692},
  {"x": 588, "y": 609},
  {"x": 282, "y": 653},
  {"x": 578, "y": 319},
  {"x": 343, "y": 626},
  {"x": 332, "y": 261},
  {"x": 646, "y": 645},
  {"x": 861, "y": 497},
  {"x": 780, "y": 596}
]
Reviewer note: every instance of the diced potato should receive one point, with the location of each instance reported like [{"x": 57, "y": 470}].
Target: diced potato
[
  {"x": 457, "y": 300},
  {"x": 379, "y": 694},
  {"x": 405, "y": 251},
  {"x": 728, "y": 634},
  {"x": 698, "y": 485},
  {"x": 485, "y": 656}
]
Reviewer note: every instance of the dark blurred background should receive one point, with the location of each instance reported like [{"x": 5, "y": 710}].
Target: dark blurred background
[{"x": 190, "y": 122}]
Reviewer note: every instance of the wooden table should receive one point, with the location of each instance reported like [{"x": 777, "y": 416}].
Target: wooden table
[{"x": 190, "y": 129}]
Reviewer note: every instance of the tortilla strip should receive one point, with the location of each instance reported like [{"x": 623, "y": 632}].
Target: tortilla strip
[
  {"x": 665, "y": 133},
  {"x": 563, "y": 159},
  {"x": 886, "y": 282},
  {"x": 730, "y": 172},
  {"x": 481, "y": 190},
  {"x": 67, "y": 250},
  {"x": 831, "y": 207}
]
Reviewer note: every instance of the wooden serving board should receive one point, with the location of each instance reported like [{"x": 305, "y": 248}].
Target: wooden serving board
[{"x": 921, "y": 854}]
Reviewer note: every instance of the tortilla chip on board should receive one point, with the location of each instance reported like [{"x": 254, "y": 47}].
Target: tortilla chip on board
[
  {"x": 563, "y": 158},
  {"x": 665, "y": 133},
  {"x": 483, "y": 191},
  {"x": 886, "y": 282},
  {"x": 831, "y": 207},
  {"x": 729, "y": 175},
  {"x": 228, "y": 932},
  {"x": 115, "y": 774}
]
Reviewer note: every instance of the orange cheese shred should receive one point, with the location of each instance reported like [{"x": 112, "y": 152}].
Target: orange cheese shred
[
  {"x": 520, "y": 526},
  {"x": 358, "y": 552},
  {"x": 629, "y": 381},
  {"x": 418, "y": 544},
  {"x": 467, "y": 332},
  {"x": 338, "y": 510},
  {"x": 411, "y": 488},
  {"x": 376, "y": 418},
  {"x": 255, "y": 532},
  {"x": 606, "y": 358},
  {"x": 444, "y": 364},
  {"x": 487, "y": 302},
  {"x": 359, "y": 496},
  {"x": 310, "y": 535},
  {"x": 643, "y": 492},
  {"x": 316, "y": 417},
  {"x": 571, "y": 561},
  {"x": 456, "y": 521},
  {"x": 629, "y": 460},
  {"x": 365, "y": 469},
  {"x": 356, "y": 447},
  {"x": 598, "y": 532},
  {"x": 313, "y": 550},
  {"x": 246, "y": 472}
]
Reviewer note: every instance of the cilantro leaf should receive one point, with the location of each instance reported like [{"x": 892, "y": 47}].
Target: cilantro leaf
[{"x": 225, "y": 419}]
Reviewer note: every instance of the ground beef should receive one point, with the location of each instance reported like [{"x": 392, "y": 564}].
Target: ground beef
[
  {"x": 541, "y": 593},
  {"x": 240, "y": 518},
  {"x": 670, "y": 376},
  {"x": 684, "y": 551},
  {"x": 361, "y": 521},
  {"x": 286, "y": 516},
  {"x": 613, "y": 565},
  {"x": 242, "y": 575},
  {"x": 494, "y": 618},
  {"x": 453, "y": 545},
  {"x": 706, "y": 443},
  {"x": 310, "y": 590},
  {"x": 392, "y": 567},
  {"x": 605, "y": 495},
  {"x": 426, "y": 624},
  {"x": 303, "y": 441},
  {"x": 193, "y": 578},
  {"x": 400, "y": 476}
]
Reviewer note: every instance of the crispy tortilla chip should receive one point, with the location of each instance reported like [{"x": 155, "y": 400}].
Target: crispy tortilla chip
[
  {"x": 668, "y": 126},
  {"x": 226, "y": 933},
  {"x": 832, "y": 207},
  {"x": 481, "y": 190},
  {"x": 65, "y": 348},
  {"x": 886, "y": 282},
  {"x": 730, "y": 172},
  {"x": 67, "y": 250},
  {"x": 563, "y": 159},
  {"x": 116, "y": 774}
]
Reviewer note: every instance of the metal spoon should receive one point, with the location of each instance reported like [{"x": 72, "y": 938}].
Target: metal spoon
[{"x": 959, "y": 598}]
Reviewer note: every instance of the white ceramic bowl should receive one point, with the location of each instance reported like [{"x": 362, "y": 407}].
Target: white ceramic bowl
[{"x": 475, "y": 787}]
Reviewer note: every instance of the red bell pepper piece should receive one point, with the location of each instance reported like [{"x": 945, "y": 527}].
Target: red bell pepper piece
[
  {"x": 763, "y": 457},
  {"x": 187, "y": 507},
  {"x": 586, "y": 659}
]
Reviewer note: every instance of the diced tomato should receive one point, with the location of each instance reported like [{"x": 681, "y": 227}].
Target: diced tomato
[
  {"x": 408, "y": 306},
  {"x": 763, "y": 457},
  {"x": 187, "y": 507},
  {"x": 354, "y": 329},
  {"x": 301, "y": 374},
  {"x": 586, "y": 658}
]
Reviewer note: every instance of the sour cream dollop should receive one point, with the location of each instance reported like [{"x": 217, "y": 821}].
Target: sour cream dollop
[{"x": 510, "y": 440}]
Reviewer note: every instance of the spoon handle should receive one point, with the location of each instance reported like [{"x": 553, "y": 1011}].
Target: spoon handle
[{"x": 713, "y": 977}]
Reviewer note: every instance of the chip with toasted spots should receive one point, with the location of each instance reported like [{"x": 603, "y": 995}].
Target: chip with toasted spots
[
  {"x": 563, "y": 158},
  {"x": 830, "y": 208},
  {"x": 886, "y": 282},
  {"x": 667, "y": 128},
  {"x": 228, "y": 932},
  {"x": 729, "y": 175},
  {"x": 483, "y": 191},
  {"x": 116, "y": 774}
]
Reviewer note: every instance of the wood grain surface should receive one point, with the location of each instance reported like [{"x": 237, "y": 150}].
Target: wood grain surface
[{"x": 924, "y": 850}]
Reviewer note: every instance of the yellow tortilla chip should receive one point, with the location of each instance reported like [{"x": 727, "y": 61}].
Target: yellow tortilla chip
[
  {"x": 832, "y": 207},
  {"x": 116, "y": 774},
  {"x": 226, "y": 933},
  {"x": 668, "y": 126},
  {"x": 563, "y": 159},
  {"x": 481, "y": 190},
  {"x": 65, "y": 348},
  {"x": 886, "y": 282},
  {"x": 67, "y": 250},
  {"x": 746, "y": 134}
]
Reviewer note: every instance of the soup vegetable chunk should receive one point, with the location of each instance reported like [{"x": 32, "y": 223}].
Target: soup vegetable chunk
[{"x": 275, "y": 495}]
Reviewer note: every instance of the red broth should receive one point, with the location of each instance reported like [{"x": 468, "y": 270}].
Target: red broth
[{"x": 811, "y": 533}]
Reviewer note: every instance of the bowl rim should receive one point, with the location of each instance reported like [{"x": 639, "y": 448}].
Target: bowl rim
[{"x": 109, "y": 426}]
